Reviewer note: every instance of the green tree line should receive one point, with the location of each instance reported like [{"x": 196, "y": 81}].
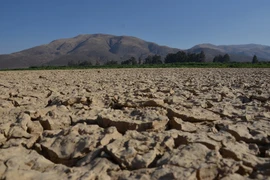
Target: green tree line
[
  {"x": 171, "y": 58},
  {"x": 182, "y": 56}
]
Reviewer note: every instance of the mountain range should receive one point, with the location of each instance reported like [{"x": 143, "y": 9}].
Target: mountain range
[{"x": 100, "y": 48}]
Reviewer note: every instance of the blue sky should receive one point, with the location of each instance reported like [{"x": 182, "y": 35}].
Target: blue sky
[{"x": 176, "y": 23}]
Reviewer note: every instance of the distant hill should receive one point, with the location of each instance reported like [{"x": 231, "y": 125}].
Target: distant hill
[
  {"x": 96, "y": 47},
  {"x": 239, "y": 53},
  {"x": 102, "y": 48}
]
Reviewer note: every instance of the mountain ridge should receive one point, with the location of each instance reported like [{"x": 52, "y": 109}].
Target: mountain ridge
[{"x": 105, "y": 47}]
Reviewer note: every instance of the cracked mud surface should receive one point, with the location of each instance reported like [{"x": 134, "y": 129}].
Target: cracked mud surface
[{"x": 135, "y": 124}]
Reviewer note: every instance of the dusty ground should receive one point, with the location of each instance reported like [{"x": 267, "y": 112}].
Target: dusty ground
[{"x": 135, "y": 124}]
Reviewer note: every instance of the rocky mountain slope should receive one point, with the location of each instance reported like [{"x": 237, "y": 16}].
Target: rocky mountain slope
[
  {"x": 96, "y": 47},
  {"x": 153, "y": 124},
  {"x": 239, "y": 53},
  {"x": 102, "y": 48}
]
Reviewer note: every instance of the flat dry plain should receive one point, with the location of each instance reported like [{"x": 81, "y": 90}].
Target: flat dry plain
[{"x": 135, "y": 124}]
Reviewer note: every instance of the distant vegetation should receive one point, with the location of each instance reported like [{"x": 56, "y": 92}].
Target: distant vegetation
[
  {"x": 79, "y": 63},
  {"x": 222, "y": 59},
  {"x": 180, "y": 59},
  {"x": 156, "y": 59},
  {"x": 183, "y": 57},
  {"x": 170, "y": 65},
  {"x": 255, "y": 59},
  {"x": 130, "y": 61},
  {"x": 111, "y": 63}
]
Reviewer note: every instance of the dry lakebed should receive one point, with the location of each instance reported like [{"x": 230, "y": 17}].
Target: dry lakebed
[{"x": 135, "y": 124}]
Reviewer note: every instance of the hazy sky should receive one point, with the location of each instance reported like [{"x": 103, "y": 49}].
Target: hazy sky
[{"x": 176, "y": 23}]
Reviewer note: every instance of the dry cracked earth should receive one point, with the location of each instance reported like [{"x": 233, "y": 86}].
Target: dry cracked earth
[{"x": 135, "y": 124}]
